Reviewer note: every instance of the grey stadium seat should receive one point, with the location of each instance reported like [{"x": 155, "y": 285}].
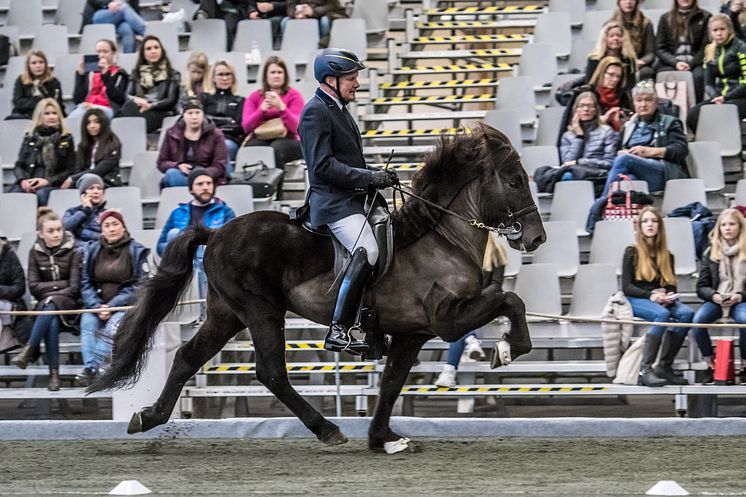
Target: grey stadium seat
[
  {"x": 19, "y": 214},
  {"x": 127, "y": 199}
]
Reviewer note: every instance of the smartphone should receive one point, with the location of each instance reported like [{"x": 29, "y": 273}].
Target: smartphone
[{"x": 90, "y": 63}]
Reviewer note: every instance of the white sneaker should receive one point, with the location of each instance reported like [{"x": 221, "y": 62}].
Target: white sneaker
[
  {"x": 447, "y": 378},
  {"x": 473, "y": 349}
]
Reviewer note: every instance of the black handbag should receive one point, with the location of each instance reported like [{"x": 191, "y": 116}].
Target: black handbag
[{"x": 263, "y": 179}]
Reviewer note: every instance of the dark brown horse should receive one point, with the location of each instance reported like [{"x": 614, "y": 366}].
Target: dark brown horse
[{"x": 262, "y": 265}]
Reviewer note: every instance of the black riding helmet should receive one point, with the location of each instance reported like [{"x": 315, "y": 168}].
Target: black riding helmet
[{"x": 335, "y": 62}]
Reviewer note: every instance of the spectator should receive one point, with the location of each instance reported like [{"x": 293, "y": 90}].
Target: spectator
[
  {"x": 649, "y": 283},
  {"x": 722, "y": 284},
  {"x": 614, "y": 42},
  {"x": 198, "y": 68},
  {"x": 35, "y": 84},
  {"x": 54, "y": 281},
  {"x": 192, "y": 142},
  {"x": 105, "y": 88},
  {"x": 47, "y": 155},
  {"x": 204, "y": 209},
  {"x": 493, "y": 267},
  {"x": 82, "y": 220},
  {"x": 12, "y": 288},
  {"x": 640, "y": 30},
  {"x": 680, "y": 41},
  {"x": 275, "y": 100},
  {"x": 734, "y": 10},
  {"x": 123, "y": 14},
  {"x": 154, "y": 86},
  {"x": 113, "y": 269},
  {"x": 99, "y": 150},
  {"x": 587, "y": 146},
  {"x": 224, "y": 107},
  {"x": 610, "y": 82},
  {"x": 326, "y": 11},
  {"x": 272, "y": 10},
  {"x": 725, "y": 70},
  {"x": 231, "y": 11}
]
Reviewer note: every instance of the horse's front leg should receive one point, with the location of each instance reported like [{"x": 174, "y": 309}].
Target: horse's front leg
[{"x": 402, "y": 354}]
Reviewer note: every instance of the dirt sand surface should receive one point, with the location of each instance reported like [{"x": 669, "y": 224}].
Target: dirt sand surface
[{"x": 499, "y": 467}]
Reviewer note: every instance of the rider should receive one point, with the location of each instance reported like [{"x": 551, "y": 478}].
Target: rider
[{"x": 340, "y": 180}]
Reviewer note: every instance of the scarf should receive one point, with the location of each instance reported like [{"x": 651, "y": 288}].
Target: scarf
[
  {"x": 152, "y": 74},
  {"x": 732, "y": 271},
  {"x": 607, "y": 97},
  {"x": 46, "y": 140}
]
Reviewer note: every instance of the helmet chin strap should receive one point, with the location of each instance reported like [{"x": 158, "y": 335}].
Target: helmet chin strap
[{"x": 336, "y": 92}]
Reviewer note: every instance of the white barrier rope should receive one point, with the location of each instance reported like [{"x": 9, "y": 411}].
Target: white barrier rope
[
  {"x": 579, "y": 319},
  {"x": 87, "y": 311}
]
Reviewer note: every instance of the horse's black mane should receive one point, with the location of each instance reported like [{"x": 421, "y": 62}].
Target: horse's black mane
[{"x": 455, "y": 161}]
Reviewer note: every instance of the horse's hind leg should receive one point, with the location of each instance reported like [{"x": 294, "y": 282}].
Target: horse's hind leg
[
  {"x": 402, "y": 354},
  {"x": 219, "y": 327},
  {"x": 266, "y": 325}
]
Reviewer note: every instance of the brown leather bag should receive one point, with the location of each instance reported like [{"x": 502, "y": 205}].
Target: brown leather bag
[{"x": 271, "y": 129}]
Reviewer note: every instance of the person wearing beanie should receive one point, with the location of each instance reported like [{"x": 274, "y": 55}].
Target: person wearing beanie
[
  {"x": 204, "y": 209},
  {"x": 82, "y": 220},
  {"x": 192, "y": 142},
  {"x": 113, "y": 269}
]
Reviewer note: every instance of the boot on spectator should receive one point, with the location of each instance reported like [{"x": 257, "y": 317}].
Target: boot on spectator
[
  {"x": 84, "y": 378},
  {"x": 670, "y": 347},
  {"x": 54, "y": 380},
  {"x": 447, "y": 377},
  {"x": 28, "y": 354},
  {"x": 647, "y": 377}
]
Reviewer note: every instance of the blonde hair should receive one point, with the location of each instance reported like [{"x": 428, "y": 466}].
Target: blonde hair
[
  {"x": 200, "y": 60},
  {"x": 716, "y": 239},
  {"x": 44, "y": 214},
  {"x": 711, "y": 47},
  {"x": 213, "y": 69},
  {"x": 635, "y": 24},
  {"x": 38, "y": 117},
  {"x": 495, "y": 255},
  {"x": 627, "y": 51},
  {"x": 653, "y": 257},
  {"x": 26, "y": 77}
]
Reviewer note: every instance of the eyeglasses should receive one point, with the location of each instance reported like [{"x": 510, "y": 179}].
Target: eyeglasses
[
  {"x": 614, "y": 75},
  {"x": 586, "y": 106},
  {"x": 224, "y": 75}
]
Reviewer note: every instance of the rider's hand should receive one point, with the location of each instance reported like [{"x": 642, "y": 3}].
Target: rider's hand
[{"x": 381, "y": 179}]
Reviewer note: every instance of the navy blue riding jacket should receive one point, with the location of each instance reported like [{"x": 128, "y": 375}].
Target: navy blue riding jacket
[{"x": 333, "y": 150}]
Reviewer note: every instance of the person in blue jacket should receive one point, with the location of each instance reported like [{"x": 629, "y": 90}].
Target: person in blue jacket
[
  {"x": 113, "y": 269},
  {"x": 82, "y": 220},
  {"x": 340, "y": 180},
  {"x": 204, "y": 209}
]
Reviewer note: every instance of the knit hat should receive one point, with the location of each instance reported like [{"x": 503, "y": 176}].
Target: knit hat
[
  {"x": 116, "y": 214},
  {"x": 88, "y": 180},
  {"x": 196, "y": 173},
  {"x": 190, "y": 103}
]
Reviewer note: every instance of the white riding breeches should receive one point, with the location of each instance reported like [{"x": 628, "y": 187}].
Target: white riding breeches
[{"x": 354, "y": 231}]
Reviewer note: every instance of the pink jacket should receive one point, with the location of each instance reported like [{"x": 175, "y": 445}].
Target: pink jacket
[{"x": 253, "y": 115}]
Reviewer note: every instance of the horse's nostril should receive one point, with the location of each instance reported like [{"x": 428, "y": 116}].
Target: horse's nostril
[{"x": 540, "y": 240}]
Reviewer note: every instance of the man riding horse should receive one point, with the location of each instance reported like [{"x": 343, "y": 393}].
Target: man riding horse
[{"x": 340, "y": 180}]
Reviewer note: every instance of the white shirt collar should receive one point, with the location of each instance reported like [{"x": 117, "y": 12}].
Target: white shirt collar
[{"x": 333, "y": 97}]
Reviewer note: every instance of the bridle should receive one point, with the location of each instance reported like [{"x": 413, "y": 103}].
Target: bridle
[{"x": 511, "y": 228}]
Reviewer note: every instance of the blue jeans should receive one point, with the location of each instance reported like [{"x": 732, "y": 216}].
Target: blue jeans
[
  {"x": 651, "y": 170},
  {"x": 198, "y": 267},
  {"x": 708, "y": 313},
  {"x": 650, "y": 311},
  {"x": 174, "y": 177},
  {"x": 127, "y": 22},
  {"x": 97, "y": 339},
  {"x": 455, "y": 349},
  {"x": 325, "y": 25},
  {"x": 47, "y": 328},
  {"x": 232, "y": 151},
  {"x": 79, "y": 111}
]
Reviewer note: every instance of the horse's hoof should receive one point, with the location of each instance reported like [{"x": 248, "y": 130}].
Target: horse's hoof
[
  {"x": 401, "y": 445},
  {"x": 135, "y": 425},
  {"x": 335, "y": 438},
  {"x": 501, "y": 355}
]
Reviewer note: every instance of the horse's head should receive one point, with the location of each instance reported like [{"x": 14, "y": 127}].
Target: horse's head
[{"x": 505, "y": 196}]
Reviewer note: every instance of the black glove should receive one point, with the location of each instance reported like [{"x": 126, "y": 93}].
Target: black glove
[{"x": 382, "y": 179}]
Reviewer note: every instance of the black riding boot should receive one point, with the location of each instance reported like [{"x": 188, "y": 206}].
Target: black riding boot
[
  {"x": 647, "y": 377},
  {"x": 348, "y": 303},
  {"x": 671, "y": 345}
]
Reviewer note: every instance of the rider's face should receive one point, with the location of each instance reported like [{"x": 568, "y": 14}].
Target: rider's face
[{"x": 348, "y": 86}]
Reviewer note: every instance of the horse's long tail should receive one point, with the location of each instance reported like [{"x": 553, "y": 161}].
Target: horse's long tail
[{"x": 157, "y": 297}]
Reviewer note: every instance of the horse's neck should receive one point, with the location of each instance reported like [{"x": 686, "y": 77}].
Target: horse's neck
[{"x": 466, "y": 238}]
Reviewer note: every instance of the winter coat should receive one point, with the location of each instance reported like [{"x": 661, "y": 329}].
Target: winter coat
[
  {"x": 106, "y": 167},
  {"x": 54, "y": 274},
  {"x": 596, "y": 148},
  {"x": 737, "y": 28},
  {"x": 616, "y": 336},
  {"x": 24, "y": 100},
  {"x": 167, "y": 92},
  {"x": 12, "y": 279},
  {"x": 709, "y": 279},
  {"x": 666, "y": 44},
  {"x": 725, "y": 75},
  {"x": 91, "y": 6},
  {"x": 278, "y": 9},
  {"x": 29, "y": 163},
  {"x": 321, "y": 8},
  {"x": 226, "y": 111},
  {"x": 127, "y": 290},
  {"x": 216, "y": 216},
  {"x": 668, "y": 132},
  {"x": 115, "y": 83},
  {"x": 210, "y": 151},
  {"x": 83, "y": 223},
  {"x": 639, "y": 288}
]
